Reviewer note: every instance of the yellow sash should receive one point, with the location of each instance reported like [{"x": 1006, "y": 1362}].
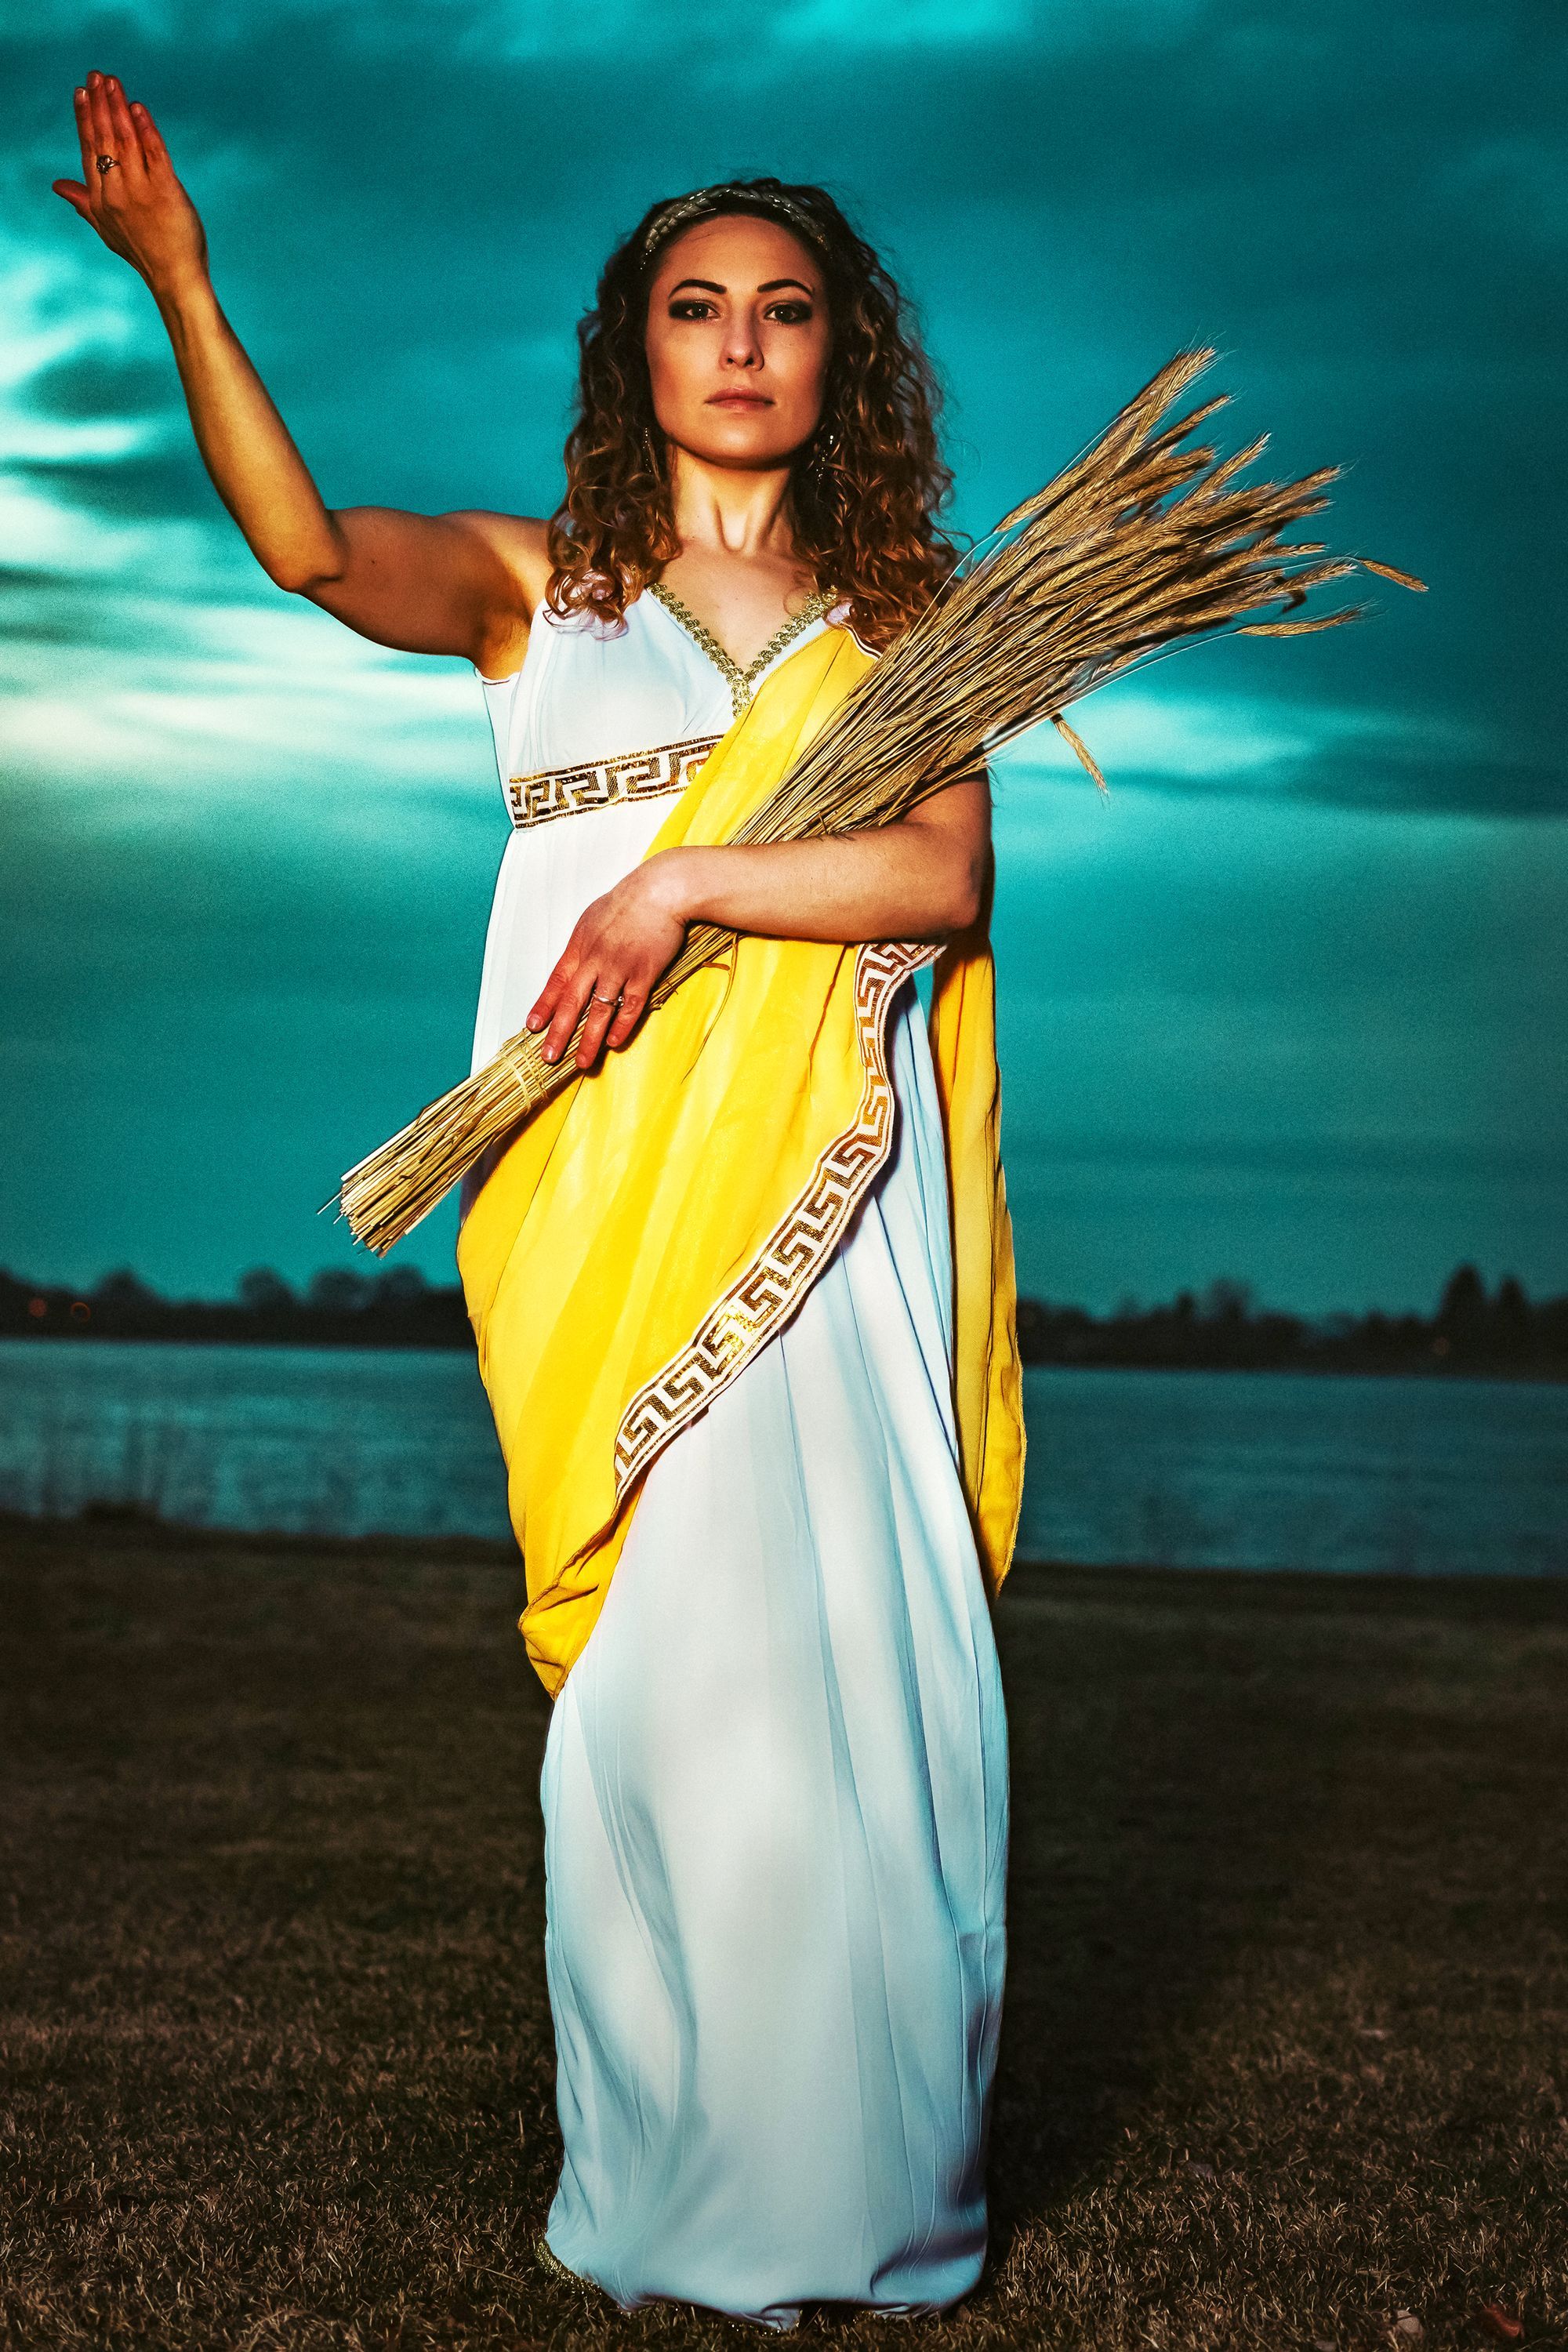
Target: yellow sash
[{"x": 652, "y": 1227}]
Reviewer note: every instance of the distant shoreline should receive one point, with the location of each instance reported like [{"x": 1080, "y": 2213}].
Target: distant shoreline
[
  {"x": 1471, "y": 1335},
  {"x": 1537, "y": 1375}
]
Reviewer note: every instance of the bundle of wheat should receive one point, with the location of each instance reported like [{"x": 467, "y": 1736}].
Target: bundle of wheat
[{"x": 1137, "y": 547}]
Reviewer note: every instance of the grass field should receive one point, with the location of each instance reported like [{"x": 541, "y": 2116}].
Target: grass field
[{"x": 1287, "y": 2044}]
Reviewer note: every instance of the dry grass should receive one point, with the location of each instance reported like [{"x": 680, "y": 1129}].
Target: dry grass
[{"x": 1288, "y": 2007}]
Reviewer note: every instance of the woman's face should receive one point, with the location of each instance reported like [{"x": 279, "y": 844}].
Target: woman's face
[{"x": 738, "y": 341}]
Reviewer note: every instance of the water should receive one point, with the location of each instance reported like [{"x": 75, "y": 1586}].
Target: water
[
  {"x": 336, "y": 1441},
  {"x": 1289, "y": 1469},
  {"x": 1178, "y": 1469}
]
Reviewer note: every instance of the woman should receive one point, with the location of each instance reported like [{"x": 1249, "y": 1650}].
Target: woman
[{"x": 775, "y": 1780}]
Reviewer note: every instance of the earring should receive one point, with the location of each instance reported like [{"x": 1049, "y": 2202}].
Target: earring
[{"x": 822, "y": 455}]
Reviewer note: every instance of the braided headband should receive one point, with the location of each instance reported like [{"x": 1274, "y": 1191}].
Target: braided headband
[{"x": 702, "y": 202}]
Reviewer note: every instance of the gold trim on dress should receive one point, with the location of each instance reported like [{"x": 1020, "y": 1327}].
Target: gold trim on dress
[
  {"x": 742, "y": 683},
  {"x": 799, "y": 1246},
  {"x": 600, "y": 783}
]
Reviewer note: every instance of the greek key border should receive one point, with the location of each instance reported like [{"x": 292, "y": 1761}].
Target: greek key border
[
  {"x": 600, "y": 783},
  {"x": 762, "y": 1301}
]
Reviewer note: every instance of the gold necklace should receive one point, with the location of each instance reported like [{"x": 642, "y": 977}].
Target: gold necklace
[{"x": 740, "y": 682}]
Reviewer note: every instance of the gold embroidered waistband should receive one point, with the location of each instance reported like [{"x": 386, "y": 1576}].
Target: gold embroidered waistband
[{"x": 632, "y": 776}]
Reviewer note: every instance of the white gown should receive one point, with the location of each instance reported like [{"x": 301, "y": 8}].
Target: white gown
[{"x": 774, "y": 1849}]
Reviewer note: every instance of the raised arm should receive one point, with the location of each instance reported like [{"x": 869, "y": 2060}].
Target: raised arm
[{"x": 454, "y": 584}]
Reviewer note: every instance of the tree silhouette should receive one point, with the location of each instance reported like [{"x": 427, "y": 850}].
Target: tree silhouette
[
  {"x": 1461, "y": 1317},
  {"x": 264, "y": 1292},
  {"x": 339, "y": 1291},
  {"x": 126, "y": 1292},
  {"x": 1512, "y": 1325}
]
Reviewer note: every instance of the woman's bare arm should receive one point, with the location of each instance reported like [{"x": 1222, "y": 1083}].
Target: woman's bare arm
[
  {"x": 921, "y": 878},
  {"x": 456, "y": 583}
]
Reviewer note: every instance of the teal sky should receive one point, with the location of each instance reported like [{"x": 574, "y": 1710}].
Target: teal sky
[{"x": 1287, "y": 1007}]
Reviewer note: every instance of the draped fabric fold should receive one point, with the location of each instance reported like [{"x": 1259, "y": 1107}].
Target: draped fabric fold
[
  {"x": 652, "y": 1227},
  {"x": 988, "y": 1382}
]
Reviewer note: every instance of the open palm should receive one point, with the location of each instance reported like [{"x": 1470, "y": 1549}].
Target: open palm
[{"x": 128, "y": 190}]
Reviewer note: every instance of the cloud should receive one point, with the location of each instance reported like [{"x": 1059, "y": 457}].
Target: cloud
[
  {"x": 839, "y": 25},
  {"x": 1318, "y": 913},
  {"x": 92, "y": 383},
  {"x": 1311, "y": 1045},
  {"x": 1341, "y": 756},
  {"x": 138, "y": 487},
  {"x": 176, "y": 699}
]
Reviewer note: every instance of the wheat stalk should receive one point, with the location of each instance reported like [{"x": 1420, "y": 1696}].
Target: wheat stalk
[{"x": 1139, "y": 546}]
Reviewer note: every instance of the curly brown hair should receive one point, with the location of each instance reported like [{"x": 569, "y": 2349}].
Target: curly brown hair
[{"x": 863, "y": 495}]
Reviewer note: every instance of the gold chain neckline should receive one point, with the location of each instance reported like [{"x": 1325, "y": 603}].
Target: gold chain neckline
[{"x": 739, "y": 681}]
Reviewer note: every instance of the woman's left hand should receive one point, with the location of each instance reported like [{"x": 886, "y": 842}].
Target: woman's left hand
[{"x": 619, "y": 947}]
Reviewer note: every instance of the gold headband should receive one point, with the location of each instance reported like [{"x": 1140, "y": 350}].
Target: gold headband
[{"x": 703, "y": 202}]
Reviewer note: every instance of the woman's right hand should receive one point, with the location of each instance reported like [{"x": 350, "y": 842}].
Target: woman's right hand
[
  {"x": 137, "y": 205},
  {"x": 459, "y": 583}
]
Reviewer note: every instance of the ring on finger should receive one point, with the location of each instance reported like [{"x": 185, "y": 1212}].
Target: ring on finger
[
  {"x": 605, "y": 999},
  {"x": 106, "y": 163}
]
